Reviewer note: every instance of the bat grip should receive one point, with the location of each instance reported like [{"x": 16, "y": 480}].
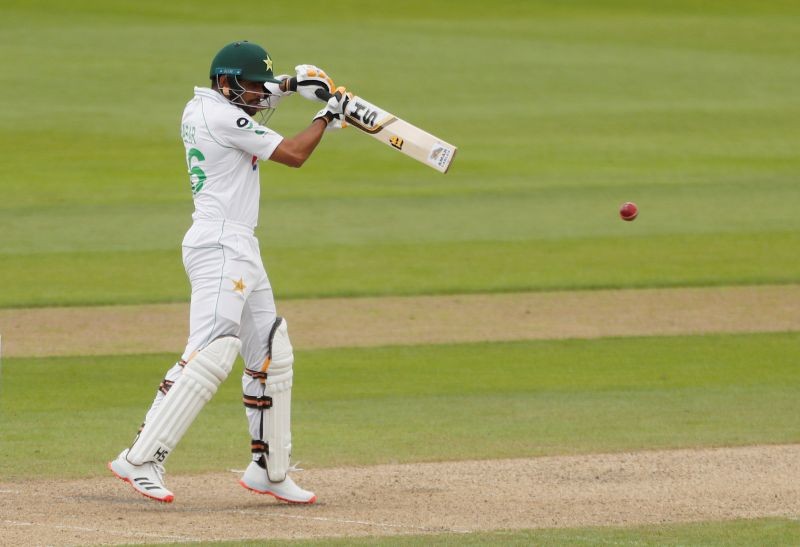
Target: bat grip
[{"x": 323, "y": 95}]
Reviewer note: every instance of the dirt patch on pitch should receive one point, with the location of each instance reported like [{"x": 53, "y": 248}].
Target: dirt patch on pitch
[
  {"x": 360, "y": 322},
  {"x": 455, "y": 497}
]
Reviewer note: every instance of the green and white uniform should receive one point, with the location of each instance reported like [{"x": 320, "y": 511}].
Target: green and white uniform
[
  {"x": 223, "y": 146},
  {"x": 231, "y": 293}
]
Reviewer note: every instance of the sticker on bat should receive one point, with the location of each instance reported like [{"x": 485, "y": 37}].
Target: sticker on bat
[
  {"x": 439, "y": 155},
  {"x": 366, "y": 116},
  {"x": 397, "y": 142}
]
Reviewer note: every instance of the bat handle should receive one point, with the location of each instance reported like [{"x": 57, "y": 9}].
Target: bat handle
[{"x": 323, "y": 95}]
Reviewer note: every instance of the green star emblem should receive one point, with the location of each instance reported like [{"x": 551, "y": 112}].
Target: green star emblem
[{"x": 268, "y": 62}]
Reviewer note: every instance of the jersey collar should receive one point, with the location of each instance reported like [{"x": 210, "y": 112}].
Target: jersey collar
[{"x": 207, "y": 92}]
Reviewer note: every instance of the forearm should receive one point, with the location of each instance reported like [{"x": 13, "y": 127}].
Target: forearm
[{"x": 296, "y": 150}]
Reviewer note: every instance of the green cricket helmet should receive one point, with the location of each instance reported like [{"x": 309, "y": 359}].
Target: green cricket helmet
[{"x": 245, "y": 61}]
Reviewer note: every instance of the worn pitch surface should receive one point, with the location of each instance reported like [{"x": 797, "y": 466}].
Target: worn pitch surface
[
  {"x": 362, "y": 322},
  {"x": 589, "y": 490}
]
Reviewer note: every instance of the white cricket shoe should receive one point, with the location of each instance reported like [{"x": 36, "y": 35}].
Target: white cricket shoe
[
  {"x": 147, "y": 479},
  {"x": 255, "y": 479}
]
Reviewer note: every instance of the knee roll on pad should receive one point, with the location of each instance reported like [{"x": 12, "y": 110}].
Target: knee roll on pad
[{"x": 198, "y": 382}]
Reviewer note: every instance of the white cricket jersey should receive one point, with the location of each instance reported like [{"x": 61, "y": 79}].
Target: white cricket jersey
[{"x": 223, "y": 147}]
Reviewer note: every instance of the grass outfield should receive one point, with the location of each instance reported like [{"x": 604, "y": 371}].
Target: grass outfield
[
  {"x": 409, "y": 404},
  {"x": 561, "y": 111},
  {"x": 678, "y": 107},
  {"x": 122, "y": 277}
]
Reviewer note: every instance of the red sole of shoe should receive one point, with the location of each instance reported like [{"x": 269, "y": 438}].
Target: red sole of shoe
[
  {"x": 265, "y": 493},
  {"x": 168, "y": 499}
]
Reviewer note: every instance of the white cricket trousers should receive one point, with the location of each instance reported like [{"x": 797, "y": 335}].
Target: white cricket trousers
[{"x": 231, "y": 294}]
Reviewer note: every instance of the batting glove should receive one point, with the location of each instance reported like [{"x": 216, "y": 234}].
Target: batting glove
[
  {"x": 333, "y": 113},
  {"x": 311, "y": 79}
]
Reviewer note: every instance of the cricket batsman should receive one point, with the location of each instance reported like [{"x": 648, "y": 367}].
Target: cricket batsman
[{"x": 232, "y": 304}]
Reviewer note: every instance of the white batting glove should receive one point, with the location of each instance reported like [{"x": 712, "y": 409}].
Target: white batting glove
[
  {"x": 333, "y": 113},
  {"x": 276, "y": 91},
  {"x": 310, "y": 79}
]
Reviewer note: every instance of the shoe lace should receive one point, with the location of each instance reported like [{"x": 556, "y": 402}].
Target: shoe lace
[
  {"x": 160, "y": 471},
  {"x": 295, "y": 467}
]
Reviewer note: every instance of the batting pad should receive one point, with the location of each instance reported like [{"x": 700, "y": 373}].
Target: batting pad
[
  {"x": 278, "y": 418},
  {"x": 199, "y": 381}
]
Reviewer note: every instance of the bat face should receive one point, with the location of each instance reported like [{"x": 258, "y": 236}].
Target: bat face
[{"x": 399, "y": 134}]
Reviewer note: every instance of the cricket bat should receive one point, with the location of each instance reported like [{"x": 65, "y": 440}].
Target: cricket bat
[
  {"x": 399, "y": 134},
  {"x": 395, "y": 132}
]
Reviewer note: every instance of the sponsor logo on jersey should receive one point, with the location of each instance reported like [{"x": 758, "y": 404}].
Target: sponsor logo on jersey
[{"x": 244, "y": 123}]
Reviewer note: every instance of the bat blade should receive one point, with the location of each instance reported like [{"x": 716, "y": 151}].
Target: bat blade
[{"x": 399, "y": 134}]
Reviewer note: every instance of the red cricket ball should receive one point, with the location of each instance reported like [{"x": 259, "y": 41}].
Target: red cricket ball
[{"x": 628, "y": 211}]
